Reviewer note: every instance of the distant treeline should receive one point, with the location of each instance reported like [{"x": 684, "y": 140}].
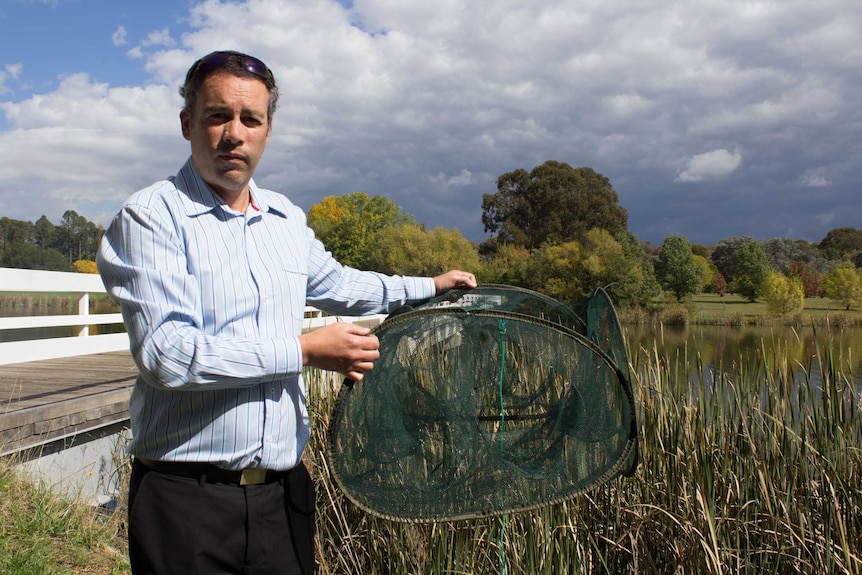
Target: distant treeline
[
  {"x": 556, "y": 229},
  {"x": 45, "y": 246}
]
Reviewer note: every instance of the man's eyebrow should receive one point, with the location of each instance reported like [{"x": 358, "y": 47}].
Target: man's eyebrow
[{"x": 225, "y": 108}]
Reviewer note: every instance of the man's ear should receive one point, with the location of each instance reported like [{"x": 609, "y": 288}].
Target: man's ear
[{"x": 185, "y": 122}]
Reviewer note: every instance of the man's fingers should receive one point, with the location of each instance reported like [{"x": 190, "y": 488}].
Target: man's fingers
[
  {"x": 357, "y": 371},
  {"x": 355, "y": 329},
  {"x": 346, "y": 348},
  {"x": 369, "y": 343}
]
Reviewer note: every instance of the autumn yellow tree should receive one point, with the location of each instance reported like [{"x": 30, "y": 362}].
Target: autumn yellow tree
[
  {"x": 844, "y": 284},
  {"x": 85, "y": 267},
  {"x": 349, "y": 225},
  {"x": 410, "y": 249},
  {"x": 782, "y": 294},
  {"x": 558, "y": 271},
  {"x": 572, "y": 270},
  {"x": 507, "y": 266}
]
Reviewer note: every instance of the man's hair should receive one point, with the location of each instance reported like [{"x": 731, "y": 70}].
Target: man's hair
[{"x": 232, "y": 62}]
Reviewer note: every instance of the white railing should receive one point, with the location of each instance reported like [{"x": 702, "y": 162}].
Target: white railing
[{"x": 83, "y": 285}]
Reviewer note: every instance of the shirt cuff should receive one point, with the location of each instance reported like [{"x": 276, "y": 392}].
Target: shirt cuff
[
  {"x": 283, "y": 355},
  {"x": 420, "y": 288}
]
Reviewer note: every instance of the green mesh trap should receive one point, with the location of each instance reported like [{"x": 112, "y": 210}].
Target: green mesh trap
[{"x": 485, "y": 402}]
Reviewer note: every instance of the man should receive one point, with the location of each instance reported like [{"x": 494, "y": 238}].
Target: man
[{"x": 212, "y": 274}]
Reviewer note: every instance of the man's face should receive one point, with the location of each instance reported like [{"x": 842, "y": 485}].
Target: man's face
[{"x": 228, "y": 130}]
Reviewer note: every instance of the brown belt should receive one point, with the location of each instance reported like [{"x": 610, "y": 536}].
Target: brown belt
[{"x": 208, "y": 473}]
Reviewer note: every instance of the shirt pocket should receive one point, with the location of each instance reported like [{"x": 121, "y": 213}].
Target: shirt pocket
[{"x": 289, "y": 297}]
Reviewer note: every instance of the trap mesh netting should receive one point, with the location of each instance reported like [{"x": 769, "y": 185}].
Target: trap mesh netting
[{"x": 485, "y": 402}]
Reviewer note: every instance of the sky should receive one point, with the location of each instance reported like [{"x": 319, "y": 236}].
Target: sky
[{"x": 711, "y": 118}]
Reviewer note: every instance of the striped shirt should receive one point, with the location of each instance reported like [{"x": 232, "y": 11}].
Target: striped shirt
[{"x": 213, "y": 302}]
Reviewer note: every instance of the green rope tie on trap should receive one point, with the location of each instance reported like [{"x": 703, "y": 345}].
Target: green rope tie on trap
[{"x": 501, "y": 328}]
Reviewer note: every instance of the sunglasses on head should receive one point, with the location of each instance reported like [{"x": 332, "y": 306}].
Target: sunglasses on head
[{"x": 220, "y": 59}]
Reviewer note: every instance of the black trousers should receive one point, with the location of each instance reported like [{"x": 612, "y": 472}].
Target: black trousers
[{"x": 185, "y": 526}]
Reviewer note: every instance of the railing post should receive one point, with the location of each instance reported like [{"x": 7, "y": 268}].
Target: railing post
[{"x": 84, "y": 309}]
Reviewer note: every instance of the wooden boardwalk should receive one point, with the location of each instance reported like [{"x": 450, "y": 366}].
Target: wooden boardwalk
[
  {"x": 43, "y": 402},
  {"x": 51, "y": 400}
]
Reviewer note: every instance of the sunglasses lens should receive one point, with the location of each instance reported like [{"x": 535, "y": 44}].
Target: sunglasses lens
[
  {"x": 220, "y": 59},
  {"x": 254, "y": 66}
]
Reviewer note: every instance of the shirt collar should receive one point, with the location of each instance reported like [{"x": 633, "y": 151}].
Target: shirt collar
[{"x": 199, "y": 198}]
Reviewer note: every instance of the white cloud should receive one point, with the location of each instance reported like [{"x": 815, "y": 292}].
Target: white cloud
[
  {"x": 14, "y": 70},
  {"x": 135, "y": 53},
  {"x": 157, "y": 38},
  {"x": 79, "y": 103},
  {"x": 86, "y": 143},
  {"x": 428, "y": 103},
  {"x": 715, "y": 163},
  {"x": 463, "y": 178},
  {"x": 815, "y": 181},
  {"x": 119, "y": 36}
]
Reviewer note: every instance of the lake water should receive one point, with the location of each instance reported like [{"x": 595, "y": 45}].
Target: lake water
[
  {"x": 726, "y": 349},
  {"x": 24, "y": 306},
  {"x": 706, "y": 348}
]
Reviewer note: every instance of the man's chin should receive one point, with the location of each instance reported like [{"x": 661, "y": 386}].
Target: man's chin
[
  {"x": 234, "y": 179},
  {"x": 228, "y": 187}
]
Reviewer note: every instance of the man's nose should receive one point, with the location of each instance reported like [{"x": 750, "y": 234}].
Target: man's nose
[{"x": 232, "y": 131}]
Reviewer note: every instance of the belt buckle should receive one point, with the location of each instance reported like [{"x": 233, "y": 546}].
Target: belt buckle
[{"x": 252, "y": 476}]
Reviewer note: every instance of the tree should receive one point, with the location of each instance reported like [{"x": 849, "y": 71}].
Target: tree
[
  {"x": 557, "y": 271},
  {"x": 44, "y": 232},
  {"x": 677, "y": 269},
  {"x": 31, "y": 257},
  {"x": 508, "y": 265},
  {"x": 723, "y": 256},
  {"x": 840, "y": 242},
  {"x": 76, "y": 237},
  {"x": 638, "y": 284},
  {"x": 85, "y": 267},
  {"x": 812, "y": 281},
  {"x": 349, "y": 225},
  {"x": 709, "y": 273},
  {"x": 750, "y": 269},
  {"x": 553, "y": 204},
  {"x": 719, "y": 284},
  {"x": 411, "y": 249},
  {"x": 782, "y": 252},
  {"x": 15, "y": 231},
  {"x": 44, "y": 246},
  {"x": 782, "y": 294},
  {"x": 700, "y": 250},
  {"x": 572, "y": 270},
  {"x": 844, "y": 284}
]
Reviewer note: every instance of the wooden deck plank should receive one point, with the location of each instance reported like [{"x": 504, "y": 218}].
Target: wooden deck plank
[
  {"x": 46, "y": 400},
  {"x": 24, "y": 385}
]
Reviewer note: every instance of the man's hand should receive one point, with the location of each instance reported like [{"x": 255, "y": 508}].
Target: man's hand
[
  {"x": 346, "y": 348},
  {"x": 454, "y": 279}
]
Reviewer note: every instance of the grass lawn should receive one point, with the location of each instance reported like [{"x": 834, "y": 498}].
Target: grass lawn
[
  {"x": 735, "y": 309},
  {"x": 43, "y": 534},
  {"x": 715, "y": 305}
]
